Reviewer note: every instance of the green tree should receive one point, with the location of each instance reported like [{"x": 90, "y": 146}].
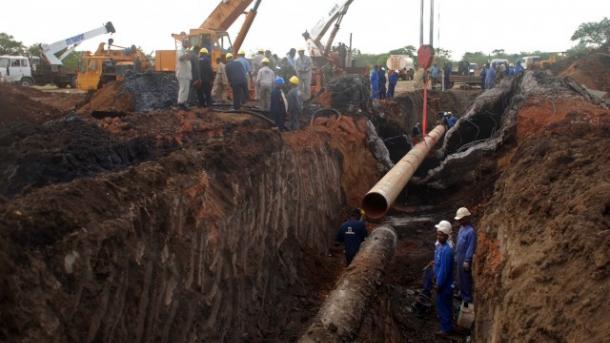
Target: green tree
[
  {"x": 596, "y": 34},
  {"x": 34, "y": 50},
  {"x": 477, "y": 57},
  {"x": 409, "y": 50},
  {"x": 9, "y": 46}
]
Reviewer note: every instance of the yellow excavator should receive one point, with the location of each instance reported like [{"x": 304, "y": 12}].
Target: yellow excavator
[
  {"x": 212, "y": 33},
  {"x": 107, "y": 65}
]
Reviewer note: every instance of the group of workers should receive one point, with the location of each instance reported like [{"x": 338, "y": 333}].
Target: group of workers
[
  {"x": 444, "y": 268},
  {"x": 450, "y": 260},
  {"x": 379, "y": 80},
  {"x": 490, "y": 74},
  {"x": 281, "y": 86}
]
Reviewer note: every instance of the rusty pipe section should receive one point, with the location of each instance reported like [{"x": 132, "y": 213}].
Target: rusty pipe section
[
  {"x": 341, "y": 315},
  {"x": 379, "y": 199}
]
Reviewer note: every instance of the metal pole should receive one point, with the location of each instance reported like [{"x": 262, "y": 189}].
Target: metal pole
[
  {"x": 431, "y": 22},
  {"x": 421, "y": 24}
]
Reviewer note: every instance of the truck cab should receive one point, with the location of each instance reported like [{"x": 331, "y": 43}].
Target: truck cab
[{"x": 16, "y": 69}]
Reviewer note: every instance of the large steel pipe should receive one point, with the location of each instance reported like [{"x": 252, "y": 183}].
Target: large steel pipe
[
  {"x": 379, "y": 199},
  {"x": 341, "y": 315}
]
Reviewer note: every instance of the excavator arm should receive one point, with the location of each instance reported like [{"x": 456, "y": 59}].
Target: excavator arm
[{"x": 246, "y": 27}]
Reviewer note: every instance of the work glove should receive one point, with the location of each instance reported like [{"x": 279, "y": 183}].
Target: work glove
[{"x": 466, "y": 266}]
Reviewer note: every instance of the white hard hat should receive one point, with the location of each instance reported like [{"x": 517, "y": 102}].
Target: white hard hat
[
  {"x": 461, "y": 213},
  {"x": 444, "y": 227}
]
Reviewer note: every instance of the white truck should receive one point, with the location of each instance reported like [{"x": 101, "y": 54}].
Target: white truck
[
  {"x": 48, "y": 68},
  {"x": 16, "y": 69}
]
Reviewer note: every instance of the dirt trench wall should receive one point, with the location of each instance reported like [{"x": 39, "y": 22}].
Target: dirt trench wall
[{"x": 197, "y": 246}]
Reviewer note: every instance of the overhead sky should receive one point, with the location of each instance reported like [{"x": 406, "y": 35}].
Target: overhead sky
[{"x": 377, "y": 25}]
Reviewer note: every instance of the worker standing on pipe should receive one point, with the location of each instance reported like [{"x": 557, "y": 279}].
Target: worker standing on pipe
[
  {"x": 443, "y": 272},
  {"x": 465, "y": 249},
  {"x": 352, "y": 233}
]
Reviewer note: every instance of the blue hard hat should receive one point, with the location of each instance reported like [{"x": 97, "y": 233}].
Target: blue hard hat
[{"x": 279, "y": 81}]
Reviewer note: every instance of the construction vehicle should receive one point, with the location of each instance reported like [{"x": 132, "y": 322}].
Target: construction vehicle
[
  {"x": 48, "y": 68},
  {"x": 107, "y": 65},
  {"x": 323, "y": 55},
  {"x": 212, "y": 33}
]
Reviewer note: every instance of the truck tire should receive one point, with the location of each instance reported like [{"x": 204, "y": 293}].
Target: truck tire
[{"x": 26, "y": 82}]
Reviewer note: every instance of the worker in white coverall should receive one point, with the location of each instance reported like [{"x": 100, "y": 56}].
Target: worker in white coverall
[
  {"x": 257, "y": 64},
  {"x": 183, "y": 74},
  {"x": 264, "y": 85},
  {"x": 304, "y": 65}
]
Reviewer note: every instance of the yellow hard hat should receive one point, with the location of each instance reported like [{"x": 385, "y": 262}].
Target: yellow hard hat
[
  {"x": 204, "y": 51},
  {"x": 301, "y": 49},
  {"x": 265, "y": 60},
  {"x": 294, "y": 80},
  {"x": 242, "y": 53},
  {"x": 261, "y": 50},
  {"x": 229, "y": 56}
]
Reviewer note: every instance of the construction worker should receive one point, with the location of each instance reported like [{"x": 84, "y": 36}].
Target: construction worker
[
  {"x": 490, "y": 77},
  {"x": 435, "y": 74},
  {"x": 220, "y": 81},
  {"x": 236, "y": 75},
  {"x": 415, "y": 134},
  {"x": 295, "y": 103},
  {"x": 443, "y": 273},
  {"x": 483, "y": 75},
  {"x": 375, "y": 82},
  {"x": 264, "y": 85},
  {"x": 449, "y": 119},
  {"x": 196, "y": 78},
  {"x": 257, "y": 64},
  {"x": 352, "y": 233},
  {"x": 465, "y": 249},
  {"x": 392, "y": 81},
  {"x": 279, "y": 104},
  {"x": 183, "y": 74},
  {"x": 273, "y": 61},
  {"x": 447, "y": 70},
  {"x": 304, "y": 69},
  {"x": 292, "y": 60},
  {"x": 518, "y": 69},
  {"x": 248, "y": 69},
  {"x": 382, "y": 83},
  {"x": 207, "y": 78}
]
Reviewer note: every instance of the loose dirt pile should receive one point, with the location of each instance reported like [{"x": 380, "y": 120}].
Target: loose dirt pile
[
  {"x": 17, "y": 106},
  {"x": 136, "y": 93},
  {"x": 593, "y": 71}
]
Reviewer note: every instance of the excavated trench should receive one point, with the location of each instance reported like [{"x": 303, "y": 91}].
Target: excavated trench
[{"x": 178, "y": 226}]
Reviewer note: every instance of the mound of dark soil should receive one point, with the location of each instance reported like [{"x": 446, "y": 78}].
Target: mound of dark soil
[{"x": 34, "y": 155}]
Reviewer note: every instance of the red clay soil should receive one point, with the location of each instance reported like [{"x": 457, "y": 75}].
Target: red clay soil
[
  {"x": 542, "y": 269},
  {"x": 539, "y": 113},
  {"x": 359, "y": 169},
  {"x": 110, "y": 98},
  {"x": 593, "y": 71},
  {"x": 17, "y": 105},
  {"x": 25, "y": 104}
]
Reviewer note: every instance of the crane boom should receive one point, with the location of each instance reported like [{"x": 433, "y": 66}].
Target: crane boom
[
  {"x": 49, "y": 50},
  {"x": 336, "y": 17},
  {"x": 225, "y": 14}
]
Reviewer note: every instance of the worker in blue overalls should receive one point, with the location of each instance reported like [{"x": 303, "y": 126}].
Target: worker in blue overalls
[
  {"x": 443, "y": 271},
  {"x": 352, "y": 233},
  {"x": 465, "y": 249}
]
